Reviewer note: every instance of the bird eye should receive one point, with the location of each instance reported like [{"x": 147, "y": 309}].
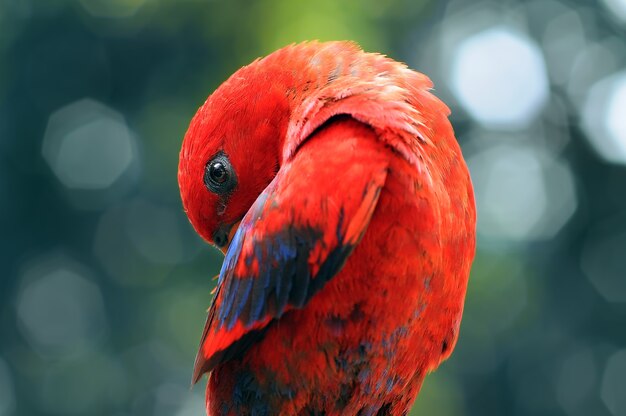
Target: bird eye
[
  {"x": 217, "y": 172},
  {"x": 219, "y": 176}
]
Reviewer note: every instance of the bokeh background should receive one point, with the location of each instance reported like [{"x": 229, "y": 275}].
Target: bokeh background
[{"x": 104, "y": 284}]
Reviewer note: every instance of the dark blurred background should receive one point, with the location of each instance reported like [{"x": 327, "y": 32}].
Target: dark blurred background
[{"x": 105, "y": 285}]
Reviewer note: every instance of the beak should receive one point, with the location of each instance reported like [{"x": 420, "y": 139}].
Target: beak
[{"x": 224, "y": 235}]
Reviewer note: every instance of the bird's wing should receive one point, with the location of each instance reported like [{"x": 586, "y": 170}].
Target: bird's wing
[{"x": 295, "y": 237}]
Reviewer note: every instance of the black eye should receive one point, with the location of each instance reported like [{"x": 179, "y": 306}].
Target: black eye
[
  {"x": 217, "y": 172},
  {"x": 219, "y": 176}
]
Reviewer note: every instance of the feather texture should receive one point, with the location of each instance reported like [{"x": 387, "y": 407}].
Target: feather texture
[
  {"x": 292, "y": 241},
  {"x": 344, "y": 283}
]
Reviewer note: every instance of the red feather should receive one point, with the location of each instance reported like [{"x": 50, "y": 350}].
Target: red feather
[
  {"x": 328, "y": 223},
  {"x": 345, "y": 281}
]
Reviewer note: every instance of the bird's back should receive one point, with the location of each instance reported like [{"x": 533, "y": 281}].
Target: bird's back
[{"x": 364, "y": 343}]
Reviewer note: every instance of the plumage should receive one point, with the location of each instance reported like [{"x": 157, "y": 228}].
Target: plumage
[{"x": 352, "y": 233}]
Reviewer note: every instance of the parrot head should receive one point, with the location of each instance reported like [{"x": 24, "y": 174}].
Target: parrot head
[
  {"x": 229, "y": 155},
  {"x": 255, "y": 121}
]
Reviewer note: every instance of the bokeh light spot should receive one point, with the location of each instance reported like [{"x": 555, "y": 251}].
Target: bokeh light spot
[
  {"x": 88, "y": 145},
  {"x": 603, "y": 260},
  {"x": 118, "y": 254},
  {"x": 576, "y": 379},
  {"x": 521, "y": 193},
  {"x": 59, "y": 311},
  {"x": 7, "y": 391},
  {"x": 562, "y": 40},
  {"x": 191, "y": 406},
  {"x": 617, "y": 7},
  {"x": 136, "y": 252},
  {"x": 499, "y": 77},
  {"x": 585, "y": 71},
  {"x": 604, "y": 117},
  {"x": 162, "y": 244},
  {"x": 613, "y": 382}
]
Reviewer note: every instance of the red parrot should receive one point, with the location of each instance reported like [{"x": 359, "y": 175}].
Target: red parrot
[{"x": 332, "y": 180}]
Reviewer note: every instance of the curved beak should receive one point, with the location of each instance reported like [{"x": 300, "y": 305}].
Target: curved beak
[{"x": 224, "y": 235}]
